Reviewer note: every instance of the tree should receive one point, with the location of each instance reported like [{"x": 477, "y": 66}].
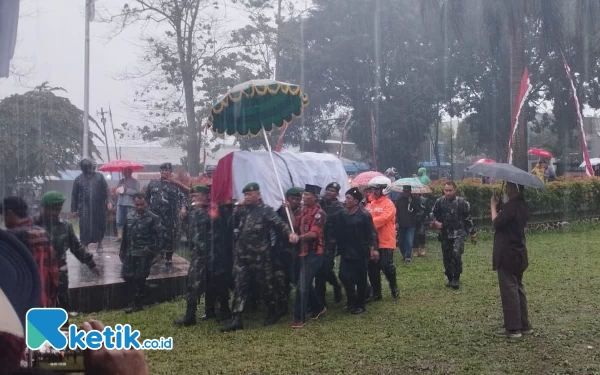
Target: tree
[
  {"x": 373, "y": 57},
  {"x": 188, "y": 66},
  {"x": 509, "y": 22},
  {"x": 40, "y": 134}
]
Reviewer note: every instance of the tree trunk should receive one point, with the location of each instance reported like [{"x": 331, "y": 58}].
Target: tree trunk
[
  {"x": 193, "y": 144},
  {"x": 517, "y": 66}
]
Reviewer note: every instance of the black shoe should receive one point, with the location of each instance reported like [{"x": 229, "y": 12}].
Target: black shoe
[
  {"x": 357, "y": 311},
  {"x": 234, "y": 325},
  {"x": 337, "y": 294},
  {"x": 395, "y": 292},
  {"x": 454, "y": 284}
]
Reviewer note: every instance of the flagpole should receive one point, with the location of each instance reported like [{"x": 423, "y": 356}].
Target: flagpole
[{"x": 86, "y": 89}]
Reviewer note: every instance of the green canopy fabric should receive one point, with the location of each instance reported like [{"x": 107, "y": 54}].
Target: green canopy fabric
[{"x": 255, "y": 105}]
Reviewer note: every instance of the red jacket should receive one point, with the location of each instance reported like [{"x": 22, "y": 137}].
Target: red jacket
[{"x": 311, "y": 219}]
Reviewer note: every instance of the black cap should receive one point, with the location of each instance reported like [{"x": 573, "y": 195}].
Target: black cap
[
  {"x": 167, "y": 166},
  {"x": 335, "y": 186},
  {"x": 316, "y": 190},
  {"x": 355, "y": 193}
]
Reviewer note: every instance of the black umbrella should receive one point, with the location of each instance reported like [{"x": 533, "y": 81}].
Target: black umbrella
[{"x": 506, "y": 172}]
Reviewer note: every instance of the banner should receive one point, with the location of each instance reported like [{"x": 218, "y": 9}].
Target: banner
[
  {"x": 524, "y": 90},
  {"x": 374, "y": 139},
  {"x": 586, "y": 158}
]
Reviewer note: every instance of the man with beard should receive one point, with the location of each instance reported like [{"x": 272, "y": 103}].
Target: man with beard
[
  {"x": 252, "y": 257},
  {"x": 331, "y": 206},
  {"x": 451, "y": 215},
  {"x": 63, "y": 239},
  {"x": 166, "y": 200},
  {"x": 357, "y": 243},
  {"x": 142, "y": 241},
  {"x": 89, "y": 202}
]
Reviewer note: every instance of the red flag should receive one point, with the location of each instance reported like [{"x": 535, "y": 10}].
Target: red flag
[
  {"x": 524, "y": 90},
  {"x": 586, "y": 158},
  {"x": 374, "y": 139},
  {"x": 279, "y": 145}
]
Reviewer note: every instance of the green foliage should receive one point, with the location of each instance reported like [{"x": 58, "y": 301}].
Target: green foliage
[
  {"x": 561, "y": 199},
  {"x": 40, "y": 134}
]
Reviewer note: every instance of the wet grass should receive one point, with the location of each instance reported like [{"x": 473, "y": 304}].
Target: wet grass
[{"x": 429, "y": 330}]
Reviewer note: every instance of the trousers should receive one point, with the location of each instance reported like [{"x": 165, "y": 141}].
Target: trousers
[
  {"x": 326, "y": 275},
  {"x": 353, "y": 275},
  {"x": 452, "y": 251},
  {"x": 385, "y": 265},
  {"x": 514, "y": 300}
]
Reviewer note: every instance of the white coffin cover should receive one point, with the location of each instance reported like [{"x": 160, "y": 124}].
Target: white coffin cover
[{"x": 295, "y": 170}]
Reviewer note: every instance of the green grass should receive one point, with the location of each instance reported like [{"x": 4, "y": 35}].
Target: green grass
[{"x": 429, "y": 330}]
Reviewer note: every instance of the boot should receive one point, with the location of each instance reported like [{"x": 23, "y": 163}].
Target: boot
[
  {"x": 224, "y": 312},
  {"x": 234, "y": 325},
  {"x": 189, "y": 319},
  {"x": 272, "y": 316},
  {"x": 337, "y": 294},
  {"x": 209, "y": 314}
]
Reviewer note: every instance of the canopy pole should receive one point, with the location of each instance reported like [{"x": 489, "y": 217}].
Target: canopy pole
[{"x": 287, "y": 210}]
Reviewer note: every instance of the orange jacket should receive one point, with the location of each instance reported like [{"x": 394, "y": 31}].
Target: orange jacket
[{"x": 383, "y": 213}]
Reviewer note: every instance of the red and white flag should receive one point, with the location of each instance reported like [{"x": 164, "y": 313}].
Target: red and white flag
[
  {"x": 524, "y": 90},
  {"x": 586, "y": 157}
]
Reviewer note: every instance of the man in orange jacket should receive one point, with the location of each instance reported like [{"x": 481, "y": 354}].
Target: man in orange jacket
[{"x": 383, "y": 212}]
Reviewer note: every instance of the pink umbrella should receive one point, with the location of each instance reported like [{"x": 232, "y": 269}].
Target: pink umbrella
[
  {"x": 363, "y": 178},
  {"x": 120, "y": 166},
  {"x": 485, "y": 161},
  {"x": 544, "y": 154}
]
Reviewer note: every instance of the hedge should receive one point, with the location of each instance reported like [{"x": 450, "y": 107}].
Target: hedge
[{"x": 565, "y": 198}]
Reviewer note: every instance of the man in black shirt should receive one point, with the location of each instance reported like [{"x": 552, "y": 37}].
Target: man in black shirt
[{"x": 357, "y": 243}]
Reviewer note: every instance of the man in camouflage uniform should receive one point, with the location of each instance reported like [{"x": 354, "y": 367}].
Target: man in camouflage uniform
[
  {"x": 331, "y": 205},
  {"x": 142, "y": 241},
  {"x": 284, "y": 253},
  {"x": 166, "y": 200},
  {"x": 63, "y": 238},
  {"x": 252, "y": 256},
  {"x": 451, "y": 215},
  {"x": 200, "y": 237}
]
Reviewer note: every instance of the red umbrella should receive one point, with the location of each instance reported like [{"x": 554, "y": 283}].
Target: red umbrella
[
  {"x": 120, "y": 166},
  {"x": 485, "y": 161},
  {"x": 363, "y": 178},
  {"x": 540, "y": 152}
]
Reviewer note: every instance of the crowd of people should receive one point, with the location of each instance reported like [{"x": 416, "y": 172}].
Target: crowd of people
[{"x": 256, "y": 254}]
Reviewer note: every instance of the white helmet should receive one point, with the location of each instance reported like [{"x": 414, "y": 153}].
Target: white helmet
[{"x": 380, "y": 182}]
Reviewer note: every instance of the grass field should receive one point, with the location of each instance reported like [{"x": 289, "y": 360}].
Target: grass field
[{"x": 429, "y": 330}]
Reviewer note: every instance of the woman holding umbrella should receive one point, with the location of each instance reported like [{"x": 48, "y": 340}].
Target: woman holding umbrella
[{"x": 510, "y": 259}]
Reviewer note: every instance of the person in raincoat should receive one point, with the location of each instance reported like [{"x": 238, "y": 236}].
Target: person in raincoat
[{"x": 422, "y": 176}]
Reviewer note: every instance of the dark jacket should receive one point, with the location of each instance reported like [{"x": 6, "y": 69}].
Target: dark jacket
[
  {"x": 510, "y": 252},
  {"x": 408, "y": 211}
]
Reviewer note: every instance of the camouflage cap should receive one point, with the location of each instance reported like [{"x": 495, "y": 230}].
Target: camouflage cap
[
  {"x": 52, "y": 199},
  {"x": 294, "y": 192},
  {"x": 253, "y": 186},
  {"x": 335, "y": 186},
  {"x": 201, "y": 189}
]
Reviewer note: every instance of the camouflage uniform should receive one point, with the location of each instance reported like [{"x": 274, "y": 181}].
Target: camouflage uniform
[
  {"x": 252, "y": 254},
  {"x": 325, "y": 274},
  {"x": 200, "y": 230},
  {"x": 283, "y": 256},
  {"x": 63, "y": 238},
  {"x": 142, "y": 240},
  {"x": 166, "y": 200},
  {"x": 456, "y": 220}
]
